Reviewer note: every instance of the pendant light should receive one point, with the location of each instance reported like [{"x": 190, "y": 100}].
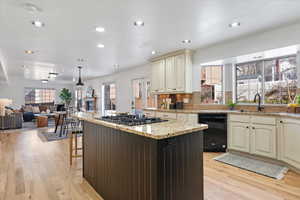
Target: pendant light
[{"x": 79, "y": 83}]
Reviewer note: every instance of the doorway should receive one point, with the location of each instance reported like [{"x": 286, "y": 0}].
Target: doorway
[{"x": 108, "y": 98}]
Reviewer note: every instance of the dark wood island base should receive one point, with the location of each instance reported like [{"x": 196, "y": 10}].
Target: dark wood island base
[{"x": 124, "y": 166}]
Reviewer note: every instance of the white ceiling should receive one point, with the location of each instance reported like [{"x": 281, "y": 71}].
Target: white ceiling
[{"x": 69, "y": 31}]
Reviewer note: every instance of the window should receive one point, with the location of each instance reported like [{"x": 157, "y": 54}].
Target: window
[
  {"x": 142, "y": 96},
  {"x": 151, "y": 98},
  {"x": 39, "y": 95},
  {"x": 275, "y": 79},
  {"x": 137, "y": 89},
  {"x": 211, "y": 84},
  {"x": 249, "y": 81},
  {"x": 280, "y": 80},
  {"x": 109, "y": 98}
]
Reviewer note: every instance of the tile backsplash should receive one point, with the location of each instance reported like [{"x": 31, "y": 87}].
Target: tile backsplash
[{"x": 194, "y": 100}]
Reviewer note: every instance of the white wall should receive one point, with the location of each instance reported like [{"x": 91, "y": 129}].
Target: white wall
[
  {"x": 15, "y": 89},
  {"x": 276, "y": 38},
  {"x": 123, "y": 85}
]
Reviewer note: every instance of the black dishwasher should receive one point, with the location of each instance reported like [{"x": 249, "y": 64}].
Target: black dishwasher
[{"x": 215, "y": 137}]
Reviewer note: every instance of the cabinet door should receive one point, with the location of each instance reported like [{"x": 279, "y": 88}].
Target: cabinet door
[
  {"x": 180, "y": 72},
  {"x": 239, "y": 136},
  {"x": 154, "y": 76},
  {"x": 158, "y": 76},
  {"x": 182, "y": 117},
  {"x": 290, "y": 142},
  {"x": 170, "y": 74},
  {"x": 263, "y": 140}
]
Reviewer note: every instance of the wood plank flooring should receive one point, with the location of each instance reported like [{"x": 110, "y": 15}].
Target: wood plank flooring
[{"x": 33, "y": 169}]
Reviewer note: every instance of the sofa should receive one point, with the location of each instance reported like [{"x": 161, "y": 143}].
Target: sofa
[
  {"x": 29, "y": 110},
  {"x": 11, "y": 121}
]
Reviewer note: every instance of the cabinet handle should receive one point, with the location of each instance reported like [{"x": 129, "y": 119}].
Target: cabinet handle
[
  {"x": 174, "y": 89},
  {"x": 253, "y": 128},
  {"x": 247, "y": 126},
  {"x": 280, "y": 121}
]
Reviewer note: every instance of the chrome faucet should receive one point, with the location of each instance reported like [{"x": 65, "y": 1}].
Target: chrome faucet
[{"x": 259, "y": 107}]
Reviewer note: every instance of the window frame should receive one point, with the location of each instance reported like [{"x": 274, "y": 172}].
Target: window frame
[
  {"x": 263, "y": 60},
  {"x": 34, "y": 101}
]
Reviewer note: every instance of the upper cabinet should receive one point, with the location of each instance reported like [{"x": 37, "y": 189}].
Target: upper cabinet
[
  {"x": 172, "y": 73},
  {"x": 158, "y": 76}
]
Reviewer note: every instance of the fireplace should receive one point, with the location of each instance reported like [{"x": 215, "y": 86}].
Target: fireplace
[{"x": 91, "y": 104}]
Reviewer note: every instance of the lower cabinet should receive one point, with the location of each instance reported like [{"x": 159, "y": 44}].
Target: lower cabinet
[
  {"x": 289, "y": 141},
  {"x": 263, "y": 140},
  {"x": 239, "y": 136},
  {"x": 149, "y": 113},
  {"x": 166, "y": 115},
  {"x": 187, "y": 117},
  {"x": 253, "y": 138}
]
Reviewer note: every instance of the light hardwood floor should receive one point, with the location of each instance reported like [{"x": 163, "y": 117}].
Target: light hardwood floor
[{"x": 33, "y": 169}]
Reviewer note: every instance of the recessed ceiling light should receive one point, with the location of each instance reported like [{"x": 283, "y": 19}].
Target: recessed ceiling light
[
  {"x": 139, "y": 23},
  {"x": 29, "y": 52},
  {"x": 234, "y": 24},
  {"x": 53, "y": 74},
  {"x": 153, "y": 52},
  {"x": 100, "y": 29},
  {"x": 44, "y": 80},
  {"x": 37, "y": 24},
  {"x": 100, "y": 45},
  {"x": 186, "y": 41}
]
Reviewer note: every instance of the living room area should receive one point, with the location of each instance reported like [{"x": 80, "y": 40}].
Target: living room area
[{"x": 31, "y": 104}]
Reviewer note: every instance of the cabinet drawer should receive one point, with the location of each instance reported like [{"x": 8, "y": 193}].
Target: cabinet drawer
[
  {"x": 182, "y": 116},
  {"x": 263, "y": 120},
  {"x": 187, "y": 117},
  {"x": 239, "y": 118},
  {"x": 149, "y": 113},
  {"x": 166, "y": 115}
]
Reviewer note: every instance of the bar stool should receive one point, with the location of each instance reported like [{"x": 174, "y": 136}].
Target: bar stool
[{"x": 76, "y": 133}]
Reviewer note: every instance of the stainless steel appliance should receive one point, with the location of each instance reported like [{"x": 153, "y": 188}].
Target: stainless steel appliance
[{"x": 131, "y": 120}]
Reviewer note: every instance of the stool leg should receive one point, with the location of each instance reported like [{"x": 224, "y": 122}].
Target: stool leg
[
  {"x": 76, "y": 144},
  {"x": 71, "y": 149}
]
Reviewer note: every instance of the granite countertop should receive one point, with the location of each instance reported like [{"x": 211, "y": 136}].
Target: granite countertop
[
  {"x": 272, "y": 114},
  {"x": 158, "y": 131}
]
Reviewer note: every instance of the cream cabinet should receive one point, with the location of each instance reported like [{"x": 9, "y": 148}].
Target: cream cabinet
[
  {"x": 172, "y": 73},
  {"x": 150, "y": 113},
  {"x": 158, "y": 76},
  {"x": 181, "y": 69},
  {"x": 239, "y": 136},
  {"x": 263, "y": 140},
  {"x": 187, "y": 117},
  {"x": 289, "y": 141},
  {"x": 248, "y": 134},
  {"x": 166, "y": 115}
]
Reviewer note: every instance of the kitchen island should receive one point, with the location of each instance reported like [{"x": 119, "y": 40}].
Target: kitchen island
[{"x": 161, "y": 161}]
